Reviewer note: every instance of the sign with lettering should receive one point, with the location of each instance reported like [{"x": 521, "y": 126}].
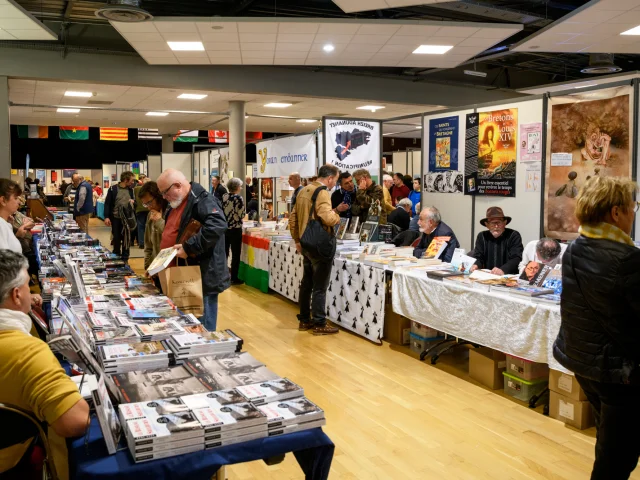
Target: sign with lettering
[
  {"x": 352, "y": 144},
  {"x": 282, "y": 156},
  {"x": 443, "y": 144}
]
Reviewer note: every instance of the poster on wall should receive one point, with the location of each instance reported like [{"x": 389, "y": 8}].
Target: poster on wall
[
  {"x": 494, "y": 174},
  {"x": 531, "y": 142},
  {"x": 54, "y": 176},
  {"x": 588, "y": 135},
  {"x": 443, "y": 144},
  {"x": 266, "y": 196},
  {"x": 42, "y": 176},
  {"x": 471, "y": 154},
  {"x": 352, "y": 144},
  {"x": 283, "y": 156},
  {"x": 68, "y": 172},
  {"x": 443, "y": 182}
]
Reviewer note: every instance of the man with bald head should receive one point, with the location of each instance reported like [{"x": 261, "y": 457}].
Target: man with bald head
[
  {"x": 189, "y": 201},
  {"x": 296, "y": 183}
]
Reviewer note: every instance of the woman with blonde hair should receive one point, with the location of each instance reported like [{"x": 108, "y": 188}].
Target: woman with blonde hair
[{"x": 600, "y": 310}]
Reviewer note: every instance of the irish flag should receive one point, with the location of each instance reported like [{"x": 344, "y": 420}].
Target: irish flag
[
  {"x": 74, "y": 133},
  {"x": 187, "y": 136},
  {"x": 32, "y": 131},
  {"x": 254, "y": 262}
]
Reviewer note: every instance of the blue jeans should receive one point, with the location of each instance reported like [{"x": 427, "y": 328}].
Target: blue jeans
[
  {"x": 142, "y": 222},
  {"x": 210, "y": 317}
]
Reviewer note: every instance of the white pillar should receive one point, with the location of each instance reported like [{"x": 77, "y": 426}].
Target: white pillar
[
  {"x": 5, "y": 130},
  {"x": 167, "y": 143},
  {"x": 237, "y": 141}
]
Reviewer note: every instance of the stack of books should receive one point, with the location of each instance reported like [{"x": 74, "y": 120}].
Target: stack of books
[
  {"x": 190, "y": 345},
  {"x": 159, "y": 331},
  {"x": 231, "y": 423},
  {"x": 133, "y": 356},
  {"x": 270, "y": 391},
  {"x": 292, "y": 415}
]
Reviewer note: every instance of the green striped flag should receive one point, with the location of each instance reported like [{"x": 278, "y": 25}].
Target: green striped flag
[
  {"x": 32, "y": 131},
  {"x": 74, "y": 133},
  {"x": 187, "y": 136}
]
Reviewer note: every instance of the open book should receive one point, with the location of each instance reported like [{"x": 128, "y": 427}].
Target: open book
[{"x": 162, "y": 261}]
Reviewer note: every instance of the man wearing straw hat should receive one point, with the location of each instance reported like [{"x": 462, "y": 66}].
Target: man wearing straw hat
[{"x": 498, "y": 249}]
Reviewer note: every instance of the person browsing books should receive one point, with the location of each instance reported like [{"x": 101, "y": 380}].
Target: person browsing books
[
  {"x": 315, "y": 279},
  {"x": 234, "y": 211},
  {"x": 432, "y": 226},
  {"x": 120, "y": 197},
  {"x": 344, "y": 195},
  {"x": 599, "y": 309},
  {"x": 151, "y": 198},
  {"x": 498, "y": 248},
  {"x": 189, "y": 201},
  {"x": 401, "y": 216},
  {"x": 30, "y": 375},
  {"x": 387, "y": 185},
  {"x": 545, "y": 251},
  {"x": 367, "y": 195}
]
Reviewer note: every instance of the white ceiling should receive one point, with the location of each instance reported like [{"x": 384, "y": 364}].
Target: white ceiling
[
  {"x": 351, "y": 6},
  {"x": 406, "y": 128},
  {"x": 593, "y": 28},
  {"x": 42, "y": 98},
  {"x": 286, "y": 41},
  {"x": 17, "y": 24},
  {"x": 577, "y": 85}
]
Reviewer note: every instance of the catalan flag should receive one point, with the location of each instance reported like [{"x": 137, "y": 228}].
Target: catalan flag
[
  {"x": 74, "y": 133},
  {"x": 114, "y": 134},
  {"x": 32, "y": 131}
]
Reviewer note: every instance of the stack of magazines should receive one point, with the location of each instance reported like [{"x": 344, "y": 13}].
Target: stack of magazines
[
  {"x": 159, "y": 331},
  {"x": 293, "y": 415},
  {"x": 270, "y": 391},
  {"x": 129, "y": 357},
  {"x": 190, "y": 345}
]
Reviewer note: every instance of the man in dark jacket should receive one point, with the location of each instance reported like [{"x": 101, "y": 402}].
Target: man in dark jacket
[
  {"x": 600, "y": 306},
  {"x": 120, "y": 196},
  {"x": 432, "y": 226},
  {"x": 83, "y": 202},
  {"x": 206, "y": 248},
  {"x": 344, "y": 195},
  {"x": 400, "y": 216},
  {"x": 218, "y": 189},
  {"x": 498, "y": 249}
]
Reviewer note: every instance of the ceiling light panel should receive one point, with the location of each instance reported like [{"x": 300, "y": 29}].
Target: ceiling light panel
[
  {"x": 263, "y": 41},
  {"x": 607, "y": 26},
  {"x": 18, "y": 24},
  {"x": 68, "y": 110}
]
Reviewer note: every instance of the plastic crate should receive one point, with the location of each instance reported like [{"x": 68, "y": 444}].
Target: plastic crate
[
  {"x": 523, "y": 389},
  {"x": 419, "y": 344},
  {"x": 422, "y": 330},
  {"x": 526, "y": 369}
]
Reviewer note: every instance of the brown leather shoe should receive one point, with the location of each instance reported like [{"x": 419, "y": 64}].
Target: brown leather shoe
[
  {"x": 304, "y": 326},
  {"x": 326, "y": 330}
]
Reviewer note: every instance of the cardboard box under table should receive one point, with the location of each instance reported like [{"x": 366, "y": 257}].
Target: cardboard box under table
[
  {"x": 486, "y": 366},
  {"x": 572, "y": 412}
]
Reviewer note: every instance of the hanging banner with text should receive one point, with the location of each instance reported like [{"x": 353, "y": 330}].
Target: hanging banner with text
[
  {"x": 494, "y": 136},
  {"x": 443, "y": 144},
  {"x": 283, "y": 156},
  {"x": 352, "y": 144}
]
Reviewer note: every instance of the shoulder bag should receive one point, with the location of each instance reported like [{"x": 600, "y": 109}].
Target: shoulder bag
[{"x": 316, "y": 240}]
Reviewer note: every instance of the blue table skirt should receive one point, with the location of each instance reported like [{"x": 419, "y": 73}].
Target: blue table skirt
[{"x": 312, "y": 448}]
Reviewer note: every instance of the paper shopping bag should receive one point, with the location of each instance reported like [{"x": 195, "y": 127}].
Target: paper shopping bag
[{"x": 183, "y": 285}]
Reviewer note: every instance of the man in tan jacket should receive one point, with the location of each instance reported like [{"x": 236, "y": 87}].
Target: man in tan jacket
[{"x": 316, "y": 271}]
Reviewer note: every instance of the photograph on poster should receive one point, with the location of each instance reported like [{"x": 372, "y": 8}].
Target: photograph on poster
[
  {"x": 443, "y": 144},
  {"x": 443, "y": 182},
  {"x": 587, "y": 137}
]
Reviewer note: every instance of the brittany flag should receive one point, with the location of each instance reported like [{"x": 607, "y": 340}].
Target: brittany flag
[
  {"x": 32, "y": 131},
  {"x": 114, "y": 134}
]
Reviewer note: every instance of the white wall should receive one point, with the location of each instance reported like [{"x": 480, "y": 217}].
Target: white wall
[
  {"x": 196, "y": 167},
  {"x": 154, "y": 168},
  {"x": 108, "y": 169},
  {"x": 455, "y": 208},
  {"x": 179, "y": 161},
  {"x": 525, "y": 206}
]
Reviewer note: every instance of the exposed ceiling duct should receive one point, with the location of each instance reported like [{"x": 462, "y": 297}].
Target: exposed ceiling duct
[
  {"x": 128, "y": 11},
  {"x": 600, "y": 63}
]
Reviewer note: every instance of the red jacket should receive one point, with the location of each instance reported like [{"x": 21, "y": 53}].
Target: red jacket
[{"x": 398, "y": 193}]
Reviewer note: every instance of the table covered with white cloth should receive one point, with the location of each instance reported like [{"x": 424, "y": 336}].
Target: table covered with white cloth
[{"x": 513, "y": 325}]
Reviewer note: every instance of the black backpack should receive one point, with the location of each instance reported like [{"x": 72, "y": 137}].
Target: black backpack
[{"x": 315, "y": 240}]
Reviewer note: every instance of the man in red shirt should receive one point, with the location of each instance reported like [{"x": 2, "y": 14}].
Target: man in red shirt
[
  {"x": 400, "y": 190},
  {"x": 206, "y": 248}
]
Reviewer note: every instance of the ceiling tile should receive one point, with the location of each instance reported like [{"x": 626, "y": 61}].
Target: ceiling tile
[
  {"x": 181, "y": 37},
  {"x": 257, "y": 61},
  {"x": 293, "y": 47},
  {"x": 362, "y": 48},
  {"x": 6, "y": 35},
  {"x": 290, "y": 54},
  {"x": 339, "y": 28},
  {"x": 289, "y": 61},
  {"x": 181, "y": 55},
  {"x": 258, "y": 37},
  {"x": 176, "y": 27},
  {"x": 194, "y": 61},
  {"x": 148, "y": 46},
  {"x": 350, "y": 6},
  {"x": 39, "y": 34},
  {"x": 162, "y": 61},
  {"x": 18, "y": 24},
  {"x": 497, "y": 33},
  {"x": 295, "y": 38},
  {"x": 297, "y": 28},
  {"x": 144, "y": 37},
  {"x": 221, "y": 47},
  {"x": 332, "y": 38},
  {"x": 9, "y": 11},
  {"x": 257, "y": 47},
  {"x": 377, "y": 29},
  {"x": 396, "y": 49},
  {"x": 258, "y": 27},
  {"x": 155, "y": 53},
  {"x": 418, "y": 30},
  {"x": 219, "y": 37},
  {"x": 223, "y": 27},
  {"x": 370, "y": 39}
]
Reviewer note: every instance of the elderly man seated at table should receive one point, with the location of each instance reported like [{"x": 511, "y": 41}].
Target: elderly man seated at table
[
  {"x": 401, "y": 215},
  {"x": 545, "y": 251},
  {"x": 498, "y": 248},
  {"x": 30, "y": 375},
  {"x": 431, "y": 226}
]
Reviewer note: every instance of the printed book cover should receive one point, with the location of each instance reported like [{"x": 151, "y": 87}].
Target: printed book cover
[
  {"x": 297, "y": 410},
  {"x": 342, "y": 228},
  {"x": 107, "y": 417},
  {"x": 216, "y": 399},
  {"x": 162, "y": 261},
  {"x": 436, "y": 247},
  {"x": 267, "y": 392},
  {"x": 460, "y": 262}
]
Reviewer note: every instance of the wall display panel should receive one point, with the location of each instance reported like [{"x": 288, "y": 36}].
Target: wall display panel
[
  {"x": 525, "y": 206},
  {"x": 109, "y": 175},
  {"x": 283, "y": 156},
  {"x": 456, "y": 209},
  {"x": 196, "y": 168},
  {"x": 177, "y": 161},
  {"x": 154, "y": 167},
  {"x": 353, "y": 144},
  {"x": 416, "y": 163},
  {"x": 96, "y": 176},
  {"x": 399, "y": 162},
  {"x": 588, "y": 134}
]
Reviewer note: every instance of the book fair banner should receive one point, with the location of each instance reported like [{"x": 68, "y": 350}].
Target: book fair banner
[
  {"x": 352, "y": 144},
  {"x": 443, "y": 144},
  {"x": 588, "y": 135},
  {"x": 283, "y": 156},
  {"x": 254, "y": 262},
  {"x": 491, "y": 143}
]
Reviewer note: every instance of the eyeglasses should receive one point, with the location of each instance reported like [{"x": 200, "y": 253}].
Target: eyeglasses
[
  {"x": 163, "y": 193},
  {"x": 495, "y": 223},
  {"x": 150, "y": 202}
]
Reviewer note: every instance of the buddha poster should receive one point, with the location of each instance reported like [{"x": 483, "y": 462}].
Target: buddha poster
[{"x": 588, "y": 135}]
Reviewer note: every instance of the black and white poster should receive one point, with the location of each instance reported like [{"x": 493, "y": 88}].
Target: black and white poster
[
  {"x": 355, "y": 298},
  {"x": 285, "y": 269},
  {"x": 353, "y": 144},
  {"x": 444, "y": 182}
]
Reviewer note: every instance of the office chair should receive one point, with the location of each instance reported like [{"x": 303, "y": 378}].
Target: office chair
[{"x": 18, "y": 427}]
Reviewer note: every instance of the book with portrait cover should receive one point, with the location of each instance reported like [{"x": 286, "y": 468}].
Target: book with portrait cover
[
  {"x": 162, "y": 261},
  {"x": 436, "y": 247}
]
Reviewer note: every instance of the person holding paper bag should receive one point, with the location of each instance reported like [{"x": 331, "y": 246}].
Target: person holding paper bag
[{"x": 189, "y": 202}]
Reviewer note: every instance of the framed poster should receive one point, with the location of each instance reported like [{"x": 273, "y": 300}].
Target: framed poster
[
  {"x": 588, "y": 134},
  {"x": 443, "y": 144}
]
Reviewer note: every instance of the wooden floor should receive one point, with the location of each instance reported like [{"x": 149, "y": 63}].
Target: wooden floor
[{"x": 393, "y": 417}]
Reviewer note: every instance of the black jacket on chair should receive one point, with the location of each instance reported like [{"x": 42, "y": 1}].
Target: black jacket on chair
[{"x": 600, "y": 308}]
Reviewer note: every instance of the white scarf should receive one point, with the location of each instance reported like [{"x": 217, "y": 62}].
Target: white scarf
[{"x": 14, "y": 320}]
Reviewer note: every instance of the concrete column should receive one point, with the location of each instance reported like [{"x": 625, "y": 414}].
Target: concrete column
[
  {"x": 167, "y": 143},
  {"x": 237, "y": 142},
  {"x": 5, "y": 130}
]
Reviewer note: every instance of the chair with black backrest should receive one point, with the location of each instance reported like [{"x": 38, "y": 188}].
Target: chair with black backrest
[{"x": 18, "y": 426}]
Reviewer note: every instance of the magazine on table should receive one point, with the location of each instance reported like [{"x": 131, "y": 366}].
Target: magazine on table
[
  {"x": 460, "y": 262},
  {"x": 288, "y": 412},
  {"x": 162, "y": 261},
  {"x": 270, "y": 391}
]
